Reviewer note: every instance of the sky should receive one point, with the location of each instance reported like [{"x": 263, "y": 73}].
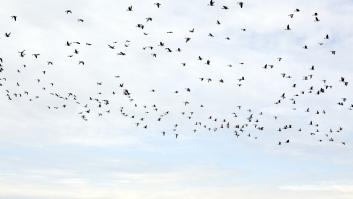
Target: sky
[{"x": 48, "y": 153}]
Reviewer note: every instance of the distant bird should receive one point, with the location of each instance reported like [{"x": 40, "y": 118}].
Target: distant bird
[
  {"x": 14, "y": 17},
  {"x": 157, "y": 4},
  {"x": 241, "y": 4},
  {"x": 22, "y": 53},
  {"x": 288, "y": 28}
]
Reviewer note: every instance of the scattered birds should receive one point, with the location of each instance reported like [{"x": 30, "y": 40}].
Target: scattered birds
[{"x": 242, "y": 121}]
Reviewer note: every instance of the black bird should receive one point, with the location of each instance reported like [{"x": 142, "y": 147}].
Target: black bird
[
  {"x": 158, "y": 4},
  {"x": 288, "y": 28},
  {"x": 14, "y": 17},
  {"x": 211, "y": 3},
  {"x": 7, "y": 34},
  {"x": 22, "y": 53},
  {"x": 241, "y": 4}
]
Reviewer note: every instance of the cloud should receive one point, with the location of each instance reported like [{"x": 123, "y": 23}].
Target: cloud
[{"x": 338, "y": 188}]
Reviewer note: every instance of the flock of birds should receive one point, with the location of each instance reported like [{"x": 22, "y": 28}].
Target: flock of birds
[{"x": 241, "y": 121}]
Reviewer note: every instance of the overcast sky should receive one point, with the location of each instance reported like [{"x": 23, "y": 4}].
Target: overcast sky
[{"x": 47, "y": 153}]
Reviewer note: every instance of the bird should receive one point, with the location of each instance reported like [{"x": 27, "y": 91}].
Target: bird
[
  {"x": 241, "y": 4},
  {"x": 158, "y": 4},
  {"x": 211, "y": 3},
  {"x": 22, "y": 53},
  {"x": 288, "y": 28}
]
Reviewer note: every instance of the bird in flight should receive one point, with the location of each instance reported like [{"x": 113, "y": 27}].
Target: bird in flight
[
  {"x": 158, "y": 4},
  {"x": 14, "y": 17}
]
